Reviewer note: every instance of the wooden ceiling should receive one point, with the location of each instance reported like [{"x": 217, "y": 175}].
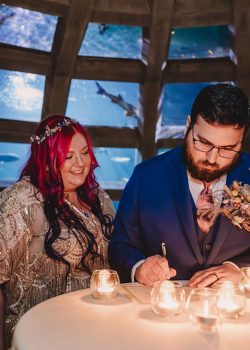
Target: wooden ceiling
[{"x": 157, "y": 17}]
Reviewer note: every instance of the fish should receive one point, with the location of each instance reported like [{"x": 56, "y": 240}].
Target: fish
[
  {"x": 102, "y": 27},
  {"x": 5, "y": 17},
  {"x": 9, "y": 157},
  {"x": 130, "y": 110}
]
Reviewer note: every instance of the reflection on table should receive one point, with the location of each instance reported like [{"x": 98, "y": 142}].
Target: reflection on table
[{"x": 77, "y": 321}]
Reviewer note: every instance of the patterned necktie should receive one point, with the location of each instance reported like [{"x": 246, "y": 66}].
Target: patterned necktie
[{"x": 205, "y": 207}]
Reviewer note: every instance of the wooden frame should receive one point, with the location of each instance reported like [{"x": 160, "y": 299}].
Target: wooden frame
[{"x": 157, "y": 17}]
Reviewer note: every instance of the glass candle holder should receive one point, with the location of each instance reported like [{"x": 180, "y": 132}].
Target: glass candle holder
[
  {"x": 104, "y": 284},
  {"x": 246, "y": 280},
  {"x": 232, "y": 301},
  {"x": 203, "y": 310},
  {"x": 167, "y": 298}
]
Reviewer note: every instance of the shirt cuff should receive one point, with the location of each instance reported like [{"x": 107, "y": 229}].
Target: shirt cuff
[
  {"x": 134, "y": 268},
  {"x": 231, "y": 263}
]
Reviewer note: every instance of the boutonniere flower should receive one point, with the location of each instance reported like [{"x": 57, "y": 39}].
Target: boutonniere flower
[{"x": 236, "y": 204}]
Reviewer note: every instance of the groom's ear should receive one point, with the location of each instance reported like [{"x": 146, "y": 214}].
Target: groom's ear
[{"x": 188, "y": 122}]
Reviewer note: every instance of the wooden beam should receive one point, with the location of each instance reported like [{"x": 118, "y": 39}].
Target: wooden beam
[
  {"x": 108, "y": 136},
  {"x": 101, "y": 136},
  {"x": 241, "y": 47},
  {"x": 187, "y": 13},
  {"x": 190, "y": 13},
  {"x": 168, "y": 143},
  {"x": 118, "y": 69},
  {"x": 115, "y": 195},
  {"x": 52, "y": 7},
  {"x": 129, "y": 12},
  {"x": 25, "y": 60},
  {"x": 113, "y": 69},
  {"x": 52, "y": 104},
  {"x": 241, "y": 40},
  {"x": 154, "y": 53},
  {"x": 16, "y": 130},
  {"x": 199, "y": 70},
  {"x": 68, "y": 38}
]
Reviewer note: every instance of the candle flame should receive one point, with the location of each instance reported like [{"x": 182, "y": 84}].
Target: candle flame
[
  {"x": 104, "y": 283},
  {"x": 228, "y": 296},
  {"x": 167, "y": 296},
  {"x": 206, "y": 308}
]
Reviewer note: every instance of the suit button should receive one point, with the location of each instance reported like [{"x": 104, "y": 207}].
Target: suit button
[{"x": 207, "y": 247}]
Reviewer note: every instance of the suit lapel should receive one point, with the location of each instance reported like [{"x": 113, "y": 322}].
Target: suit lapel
[
  {"x": 184, "y": 203},
  {"x": 223, "y": 225}
]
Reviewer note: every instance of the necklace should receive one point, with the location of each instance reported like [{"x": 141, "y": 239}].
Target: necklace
[
  {"x": 86, "y": 214},
  {"x": 80, "y": 211}
]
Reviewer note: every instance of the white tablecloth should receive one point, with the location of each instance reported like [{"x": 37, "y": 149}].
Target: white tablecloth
[{"x": 77, "y": 321}]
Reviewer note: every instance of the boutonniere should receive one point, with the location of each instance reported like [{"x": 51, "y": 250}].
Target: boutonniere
[{"x": 236, "y": 204}]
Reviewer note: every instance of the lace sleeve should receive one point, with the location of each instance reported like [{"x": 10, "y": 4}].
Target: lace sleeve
[{"x": 14, "y": 228}]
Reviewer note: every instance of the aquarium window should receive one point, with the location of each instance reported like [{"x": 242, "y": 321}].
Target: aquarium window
[
  {"x": 103, "y": 103},
  {"x": 21, "y": 95},
  {"x": 107, "y": 40},
  {"x": 199, "y": 42},
  {"x": 116, "y": 166},
  {"x": 13, "y": 157},
  {"x": 26, "y": 28}
]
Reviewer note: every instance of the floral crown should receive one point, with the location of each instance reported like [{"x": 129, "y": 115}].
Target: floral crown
[{"x": 51, "y": 131}]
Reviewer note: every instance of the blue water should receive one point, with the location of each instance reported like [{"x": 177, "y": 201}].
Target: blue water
[
  {"x": 177, "y": 101},
  {"x": 21, "y": 94},
  {"x": 9, "y": 171},
  {"x": 116, "y": 41},
  {"x": 26, "y": 28},
  {"x": 199, "y": 42}
]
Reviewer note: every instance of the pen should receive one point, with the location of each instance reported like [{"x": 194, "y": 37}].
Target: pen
[{"x": 164, "y": 251}]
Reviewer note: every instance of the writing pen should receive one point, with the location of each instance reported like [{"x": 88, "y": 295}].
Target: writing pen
[{"x": 164, "y": 250}]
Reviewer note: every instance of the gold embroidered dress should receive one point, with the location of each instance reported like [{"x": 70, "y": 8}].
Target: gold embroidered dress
[{"x": 28, "y": 274}]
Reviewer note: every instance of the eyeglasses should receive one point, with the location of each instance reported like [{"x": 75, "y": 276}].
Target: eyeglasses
[{"x": 206, "y": 147}]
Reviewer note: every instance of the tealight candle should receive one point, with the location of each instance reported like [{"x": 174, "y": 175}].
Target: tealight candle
[
  {"x": 206, "y": 320},
  {"x": 167, "y": 298},
  {"x": 246, "y": 280},
  {"x": 104, "y": 284},
  {"x": 168, "y": 305},
  {"x": 207, "y": 323},
  {"x": 247, "y": 288},
  {"x": 201, "y": 305},
  {"x": 232, "y": 301}
]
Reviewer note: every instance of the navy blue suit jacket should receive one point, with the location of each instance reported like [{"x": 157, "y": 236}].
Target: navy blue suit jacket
[{"x": 157, "y": 206}]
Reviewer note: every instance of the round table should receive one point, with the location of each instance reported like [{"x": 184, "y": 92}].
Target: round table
[{"x": 77, "y": 321}]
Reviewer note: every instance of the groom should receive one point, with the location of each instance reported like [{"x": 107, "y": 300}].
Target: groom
[{"x": 165, "y": 196}]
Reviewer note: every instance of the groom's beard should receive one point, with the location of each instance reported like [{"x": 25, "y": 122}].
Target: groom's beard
[{"x": 204, "y": 170}]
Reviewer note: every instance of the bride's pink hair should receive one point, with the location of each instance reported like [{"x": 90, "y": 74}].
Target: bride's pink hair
[
  {"x": 47, "y": 157},
  {"x": 48, "y": 153}
]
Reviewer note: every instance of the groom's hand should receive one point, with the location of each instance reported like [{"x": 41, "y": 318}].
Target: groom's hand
[{"x": 155, "y": 268}]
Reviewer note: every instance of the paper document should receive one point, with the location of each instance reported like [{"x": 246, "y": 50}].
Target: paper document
[{"x": 140, "y": 293}]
